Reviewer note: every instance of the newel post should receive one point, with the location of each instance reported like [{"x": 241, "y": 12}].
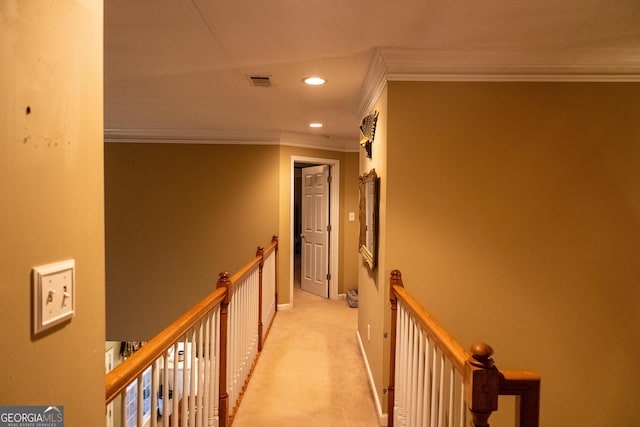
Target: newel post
[
  {"x": 482, "y": 383},
  {"x": 224, "y": 282},
  {"x": 396, "y": 280},
  {"x": 274, "y": 239},
  {"x": 260, "y": 253}
]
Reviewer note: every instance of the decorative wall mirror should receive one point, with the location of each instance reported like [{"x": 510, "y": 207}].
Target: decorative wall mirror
[
  {"x": 369, "y": 217},
  {"x": 368, "y": 132}
]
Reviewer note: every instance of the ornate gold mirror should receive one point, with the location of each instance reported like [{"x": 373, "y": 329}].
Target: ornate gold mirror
[{"x": 369, "y": 217}]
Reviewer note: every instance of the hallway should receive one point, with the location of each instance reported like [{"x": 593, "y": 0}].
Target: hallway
[{"x": 310, "y": 372}]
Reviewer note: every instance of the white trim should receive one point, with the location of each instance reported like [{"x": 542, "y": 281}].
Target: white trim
[
  {"x": 191, "y": 136},
  {"x": 382, "y": 418},
  {"x": 284, "y": 307},
  {"x": 562, "y": 65},
  {"x": 349, "y": 145},
  {"x": 237, "y": 137},
  {"x": 373, "y": 84},
  {"x": 334, "y": 212},
  {"x": 566, "y": 65}
]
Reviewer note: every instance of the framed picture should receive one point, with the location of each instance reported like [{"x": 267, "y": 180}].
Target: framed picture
[{"x": 369, "y": 188}]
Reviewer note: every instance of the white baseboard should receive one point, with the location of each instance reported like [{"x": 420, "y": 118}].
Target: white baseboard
[
  {"x": 342, "y": 296},
  {"x": 382, "y": 418},
  {"x": 283, "y": 307}
]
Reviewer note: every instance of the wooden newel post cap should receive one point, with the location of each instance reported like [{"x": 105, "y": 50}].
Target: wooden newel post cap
[
  {"x": 394, "y": 280},
  {"x": 482, "y": 384},
  {"x": 223, "y": 279},
  {"x": 224, "y": 282},
  {"x": 481, "y": 355}
]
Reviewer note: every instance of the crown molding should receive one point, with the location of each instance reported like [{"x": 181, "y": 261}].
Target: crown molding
[
  {"x": 331, "y": 143},
  {"x": 191, "y": 136},
  {"x": 373, "y": 84},
  {"x": 512, "y": 65},
  {"x": 236, "y": 137},
  {"x": 567, "y": 65}
]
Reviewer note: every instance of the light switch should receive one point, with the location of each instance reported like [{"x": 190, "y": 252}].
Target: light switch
[
  {"x": 53, "y": 294},
  {"x": 352, "y": 216}
]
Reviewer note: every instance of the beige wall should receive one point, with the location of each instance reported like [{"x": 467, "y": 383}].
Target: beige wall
[
  {"x": 349, "y": 229},
  {"x": 176, "y": 216},
  {"x": 51, "y": 194},
  {"x": 348, "y": 254},
  {"x": 513, "y": 212},
  {"x": 373, "y": 297}
]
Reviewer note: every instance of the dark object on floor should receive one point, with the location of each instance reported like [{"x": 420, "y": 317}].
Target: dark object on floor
[{"x": 352, "y": 297}]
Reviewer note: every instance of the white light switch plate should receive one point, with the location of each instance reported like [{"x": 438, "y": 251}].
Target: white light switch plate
[{"x": 53, "y": 294}]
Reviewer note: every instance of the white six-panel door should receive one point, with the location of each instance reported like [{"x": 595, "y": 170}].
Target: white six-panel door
[{"x": 315, "y": 235}]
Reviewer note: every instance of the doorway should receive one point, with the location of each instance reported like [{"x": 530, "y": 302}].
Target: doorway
[
  {"x": 333, "y": 165},
  {"x": 312, "y": 201}
]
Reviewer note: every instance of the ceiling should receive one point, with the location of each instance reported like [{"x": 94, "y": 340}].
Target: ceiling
[{"x": 177, "y": 69}]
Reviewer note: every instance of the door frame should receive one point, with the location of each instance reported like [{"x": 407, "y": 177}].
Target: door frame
[{"x": 334, "y": 216}]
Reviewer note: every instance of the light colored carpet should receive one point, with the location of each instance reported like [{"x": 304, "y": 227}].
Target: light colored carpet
[{"x": 310, "y": 372}]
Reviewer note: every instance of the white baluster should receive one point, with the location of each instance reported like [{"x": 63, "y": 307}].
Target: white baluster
[
  {"x": 441, "y": 394},
  {"x": 215, "y": 339},
  {"x": 200, "y": 377},
  {"x": 177, "y": 392},
  {"x": 402, "y": 397},
  {"x": 206, "y": 372},
  {"x": 140, "y": 402},
  {"x": 165, "y": 389},
  {"x": 412, "y": 366},
  {"x": 420, "y": 378},
  {"x": 193, "y": 377},
  {"x": 451, "y": 392},
  {"x": 463, "y": 408},
  {"x": 426, "y": 410},
  {"x": 185, "y": 383},
  {"x": 154, "y": 393},
  {"x": 434, "y": 386}
]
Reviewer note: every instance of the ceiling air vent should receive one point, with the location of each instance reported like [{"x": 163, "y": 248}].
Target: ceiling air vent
[{"x": 260, "y": 81}]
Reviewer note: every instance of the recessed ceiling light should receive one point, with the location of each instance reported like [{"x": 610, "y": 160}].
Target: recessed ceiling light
[
  {"x": 315, "y": 125},
  {"x": 314, "y": 81}
]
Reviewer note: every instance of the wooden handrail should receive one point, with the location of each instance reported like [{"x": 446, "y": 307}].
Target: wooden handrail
[
  {"x": 525, "y": 386},
  {"x": 454, "y": 351},
  {"x": 123, "y": 374},
  {"x": 272, "y": 246},
  {"x": 483, "y": 381},
  {"x": 239, "y": 275}
]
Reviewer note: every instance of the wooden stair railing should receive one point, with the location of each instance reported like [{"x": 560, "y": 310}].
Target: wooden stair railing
[
  {"x": 435, "y": 382},
  {"x": 208, "y": 336},
  {"x": 155, "y": 354},
  {"x": 245, "y": 343}
]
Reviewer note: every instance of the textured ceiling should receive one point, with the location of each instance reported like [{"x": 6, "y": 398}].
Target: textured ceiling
[{"x": 178, "y": 68}]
